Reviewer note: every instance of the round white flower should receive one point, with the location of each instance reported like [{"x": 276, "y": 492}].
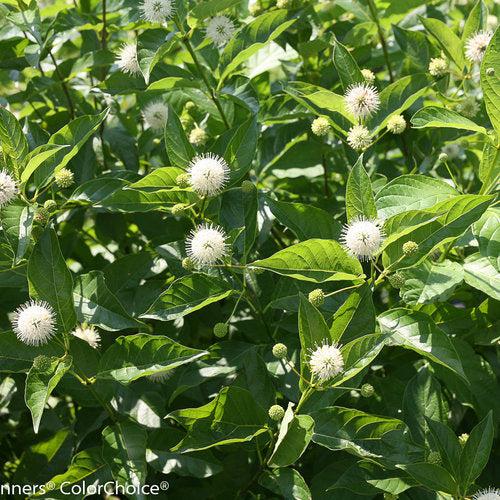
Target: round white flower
[
  {"x": 220, "y": 29},
  {"x": 325, "y": 361},
  {"x": 468, "y": 107},
  {"x": 487, "y": 494},
  {"x": 89, "y": 334},
  {"x": 396, "y": 124},
  {"x": 156, "y": 114},
  {"x": 368, "y": 75},
  {"x": 359, "y": 137},
  {"x": 8, "y": 188},
  {"x": 157, "y": 11},
  {"x": 362, "y": 238},
  {"x": 34, "y": 322},
  {"x": 206, "y": 245},
  {"x": 208, "y": 174},
  {"x": 476, "y": 44},
  {"x": 127, "y": 59},
  {"x": 438, "y": 66},
  {"x": 198, "y": 136},
  {"x": 160, "y": 377},
  {"x": 362, "y": 100}
]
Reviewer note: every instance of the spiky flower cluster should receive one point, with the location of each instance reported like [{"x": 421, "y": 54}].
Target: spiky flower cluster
[
  {"x": 325, "y": 361},
  {"x": 198, "y": 136},
  {"x": 8, "y": 188},
  {"x": 368, "y": 75},
  {"x": 220, "y": 29},
  {"x": 359, "y": 137},
  {"x": 476, "y": 44},
  {"x": 88, "y": 334},
  {"x": 64, "y": 178},
  {"x": 34, "y": 322},
  {"x": 156, "y": 115},
  {"x": 362, "y": 100},
  {"x": 157, "y": 11},
  {"x": 127, "y": 59},
  {"x": 487, "y": 494},
  {"x": 320, "y": 126},
  {"x": 438, "y": 66},
  {"x": 362, "y": 238},
  {"x": 396, "y": 124},
  {"x": 208, "y": 174},
  {"x": 206, "y": 245}
]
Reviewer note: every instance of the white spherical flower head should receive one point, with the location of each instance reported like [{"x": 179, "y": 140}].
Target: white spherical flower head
[
  {"x": 325, "y": 361},
  {"x": 208, "y": 174},
  {"x": 88, "y": 334},
  {"x": 359, "y": 137},
  {"x": 34, "y": 322},
  {"x": 220, "y": 29},
  {"x": 155, "y": 115},
  {"x": 438, "y": 66},
  {"x": 452, "y": 150},
  {"x": 487, "y": 494},
  {"x": 476, "y": 44},
  {"x": 362, "y": 100},
  {"x": 362, "y": 238},
  {"x": 8, "y": 188},
  {"x": 127, "y": 59},
  {"x": 157, "y": 11},
  {"x": 206, "y": 245}
]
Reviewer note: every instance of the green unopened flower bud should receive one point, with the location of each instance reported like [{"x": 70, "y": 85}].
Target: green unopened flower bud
[
  {"x": 284, "y": 4},
  {"x": 462, "y": 439},
  {"x": 368, "y": 75},
  {"x": 220, "y": 330},
  {"x": 490, "y": 71},
  {"x": 188, "y": 264},
  {"x": 64, "y": 178},
  {"x": 190, "y": 106},
  {"x": 410, "y": 247},
  {"x": 396, "y": 124},
  {"x": 320, "y": 126},
  {"x": 41, "y": 216},
  {"x": 443, "y": 157},
  {"x": 50, "y": 206},
  {"x": 434, "y": 457},
  {"x": 187, "y": 120},
  {"x": 317, "y": 297},
  {"x": 280, "y": 351},
  {"x": 182, "y": 180},
  {"x": 367, "y": 390},
  {"x": 248, "y": 187},
  {"x": 397, "y": 280},
  {"x": 41, "y": 363},
  {"x": 179, "y": 208},
  {"x": 276, "y": 413},
  {"x": 198, "y": 136}
]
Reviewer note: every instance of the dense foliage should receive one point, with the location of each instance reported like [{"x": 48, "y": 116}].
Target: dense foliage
[{"x": 250, "y": 250}]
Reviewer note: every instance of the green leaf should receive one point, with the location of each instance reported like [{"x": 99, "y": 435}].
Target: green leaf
[
  {"x": 346, "y": 66},
  {"x": 447, "y": 40},
  {"x": 359, "y": 199},
  {"x": 489, "y": 168},
  {"x": 431, "y": 282},
  {"x": 37, "y": 157},
  {"x": 251, "y": 38},
  {"x": 490, "y": 83},
  {"x": 160, "y": 178},
  {"x": 136, "y": 356},
  {"x": 305, "y": 221},
  {"x": 50, "y": 279},
  {"x": 14, "y": 144},
  {"x": 286, "y": 483},
  {"x": 480, "y": 273},
  {"x": 212, "y": 7},
  {"x": 432, "y": 476},
  {"x": 416, "y": 331},
  {"x": 487, "y": 232},
  {"x": 435, "y": 117},
  {"x": 42, "y": 379},
  {"x": 97, "y": 305},
  {"x": 476, "y": 451},
  {"x": 188, "y": 294},
  {"x": 477, "y": 20},
  {"x": 150, "y": 54},
  {"x": 447, "y": 443},
  {"x": 179, "y": 151},
  {"x": 414, "y": 45},
  {"x": 411, "y": 192},
  {"x": 313, "y": 260},
  {"x": 232, "y": 417},
  {"x": 124, "y": 451},
  {"x": 17, "y": 222},
  {"x": 293, "y": 438}
]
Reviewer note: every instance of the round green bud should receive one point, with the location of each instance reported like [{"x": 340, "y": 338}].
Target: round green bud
[
  {"x": 320, "y": 126},
  {"x": 220, "y": 330},
  {"x": 397, "y": 280},
  {"x": 188, "y": 264},
  {"x": 179, "y": 209},
  {"x": 280, "y": 351},
  {"x": 276, "y": 413},
  {"x": 317, "y": 297},
  {"x": 462, "y": 439},
  {"x": 434, "y": 457},
  {"x": 490, "y": 71},
  {"x": 443, "y": 157},
  {"x": 50, "y": 206},
  {"x": 190, "y": 106},
  {"x": 183, "y": 180},
  {"x": 187, "y": 120},
  {"x": 41, "y": 363},
  {"x": 41, "y": 216},
  {"x": 410, "y": 247},
  {"x": 367, "y": 390},
  {"x": 248, "y": 187},
  {"x": 64, "y": 178}
]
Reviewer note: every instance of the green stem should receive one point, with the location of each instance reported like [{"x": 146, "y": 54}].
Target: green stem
[
  {"x": 383, "y": 42},
  {"x": 71, "y": 107}
]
